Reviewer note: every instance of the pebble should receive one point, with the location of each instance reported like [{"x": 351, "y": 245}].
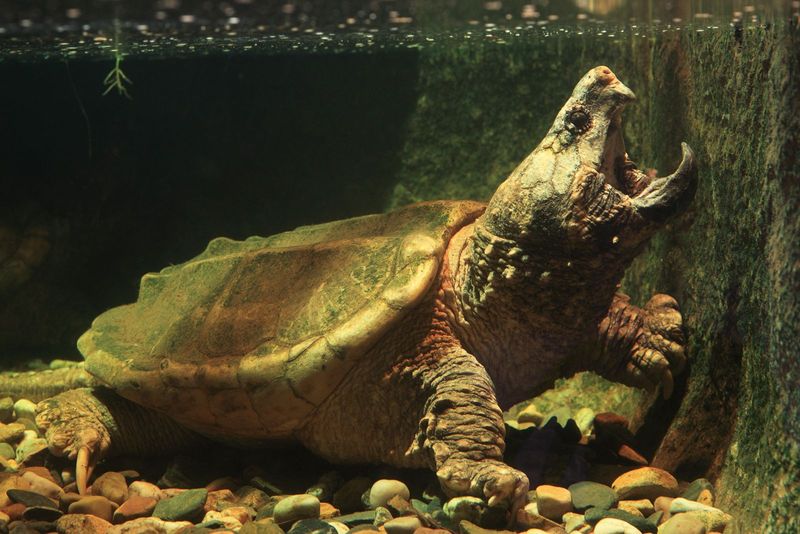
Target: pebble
[
  {"x": 383, "y": 490},
  {"x": 112, "y": 486},
  {"x": 6, "y": 410},
  {"x": 553, "y": 501},
  {"x": 610, "y": 525},
  {"x": 29, "y": 498},
  {"x": 682, "y": 524},
  {"x": 221, "y": 519},
  {"x": 250, "y": 496},
  {"x": 41, "y": 513},
  {"x": 706, "y": 497},
  {"x": 7, "y": 451},
  {"x": 85, "y": 524},
  {"x": 11, "y": 432},
  {"x": 133, "y": 508},
  {"x": 264, "y": 526},
  {"x": 662, "y": 504},
  {"x": 589, "y": 494},
  {"x": 41, "y": 485},
  {"x": 219, "y": 499},
  {"x": 312, "y": 526},
  {"x": 185, "y": 506},
  {"x": 625, "y": 507},
  {"x": 402, "y": 525},
  {"x": 296, "y": 507},
  {"x": 341, "y": 528},
  {"x": 644, "y": 506},
  {"x": 527, "y": 518},
  {"x": 67, "y": 498},
  {"x": 645, "y": 483},
  {"x": 713, "y": 519},
  {"x": 685, "y": 505},
  {"x": 148, "y": 525},
  {"x": 460, "y": 508},
  {"x": 692, "y": 491},
  {"x": 327, "y": 510},
  {"x": 95, "y": 505},
  {"x": 325, "y": 486},
  {"x": 573, "y": 521},
  {"x": 348, "y": 497},
  {"x": 25, "y": 409},
  {"x": 594, "y": 515},
  {"x": 382, "y": 515},
  {"x": 14, "y": 511},
  {"x": 466, "y": 527},
  {"x": 140, "y": 488}
]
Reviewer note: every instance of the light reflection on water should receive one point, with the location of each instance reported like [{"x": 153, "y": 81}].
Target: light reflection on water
[{"x": 102, "y": 29}]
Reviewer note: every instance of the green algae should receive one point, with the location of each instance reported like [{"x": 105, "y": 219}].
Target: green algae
[{"x": 732, "y": 260}]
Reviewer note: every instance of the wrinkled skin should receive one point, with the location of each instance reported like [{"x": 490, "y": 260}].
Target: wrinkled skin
[{"x": 525, "y": 294}]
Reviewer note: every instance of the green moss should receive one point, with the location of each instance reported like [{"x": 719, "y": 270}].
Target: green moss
[{"x": 732, "y": 261}]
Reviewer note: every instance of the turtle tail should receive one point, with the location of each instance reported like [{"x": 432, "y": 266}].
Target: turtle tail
[{"x": 40, "y": 385}]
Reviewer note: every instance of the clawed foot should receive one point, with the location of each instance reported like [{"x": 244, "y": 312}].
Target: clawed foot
[
  {"x": 658, "y": 352},
  {"x": 489, "y": 479},
  {"x": 72, "y": 428}
]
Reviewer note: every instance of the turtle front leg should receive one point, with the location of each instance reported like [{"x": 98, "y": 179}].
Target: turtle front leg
[
  {"x": 89, "y": 424},
  {"x": 643, "y": 347},
  {"x": 462, "y": 432}
]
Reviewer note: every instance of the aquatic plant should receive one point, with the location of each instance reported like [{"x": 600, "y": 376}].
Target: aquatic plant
[{"x": 116, "y": 78}]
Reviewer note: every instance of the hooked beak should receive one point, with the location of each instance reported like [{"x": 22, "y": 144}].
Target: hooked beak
[{"x": 669, "y": 195}]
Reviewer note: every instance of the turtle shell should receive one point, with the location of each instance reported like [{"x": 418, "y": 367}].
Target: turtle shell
[{"x": 245, "y": 340}]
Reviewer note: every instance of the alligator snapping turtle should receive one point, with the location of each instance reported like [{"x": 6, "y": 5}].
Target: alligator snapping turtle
[{"x": 396, "y": 338}]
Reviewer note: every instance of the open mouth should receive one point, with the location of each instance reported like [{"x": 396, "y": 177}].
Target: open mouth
[{"x": 619, "y": 171}]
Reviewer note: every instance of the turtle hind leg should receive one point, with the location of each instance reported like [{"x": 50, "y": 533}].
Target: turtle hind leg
[{"x": 89, "y": 424}]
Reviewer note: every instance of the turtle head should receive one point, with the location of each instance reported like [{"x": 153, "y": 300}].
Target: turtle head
[{"x": 578, "y": 190}]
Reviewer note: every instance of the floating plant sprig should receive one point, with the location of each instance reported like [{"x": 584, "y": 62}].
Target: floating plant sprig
[{"x": 116, "y": 78}]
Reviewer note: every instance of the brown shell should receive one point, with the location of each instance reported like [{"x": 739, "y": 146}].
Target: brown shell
[{"x": 246, "y": 339}]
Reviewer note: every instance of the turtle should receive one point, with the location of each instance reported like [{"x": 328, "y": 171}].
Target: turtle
[{"x": 394, "y": 338}]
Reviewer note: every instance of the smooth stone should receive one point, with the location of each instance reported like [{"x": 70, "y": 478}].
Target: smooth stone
[
  {"x": 365, "y": 528},
  {"x": 627, "y": 508},
  {"x": 42, "y": 513},
  {"x": 662, "y": 504},
  {"x": 644, "y": 506},
  {"x": 382, "y": 491},
  {"x": 460, "y": 508},
  {"x": 150, "y": 525},
  {"x": 382, "y": 515},
  {"x": 85, "y": 524},
  {"x": 26, "y": 409},
  {"x": 67, "y": 498},
  {"x": 7, "y": 451},
  {"x": 594, "y": 515},
  {"x": 589, "y": 494},
  {"x": 573, "y": 521},
  {"x": 713, "y": 519},
  {"x": 341, "y": 528},
  {"x": 426, "y": 530},
  {"x": 645, "y": 483},
  {"x": 140, "y": 488},
  {"x": 348, "y": 497},
  {"x": 467, "y": 527},
  {"x": 610, "y": 525},
  {"x": 250, "y": 496},
  {"x": 221, "y": 520},
  {"x": 219, "y": 499},
  {"x": 41, "y": 485},
  {"x": 30, "y": 498},
  {"x": 356, "y": 518},
  {"x": 6, "y": 410},
  {"x": 296, "y": 507},
  {"x": 530, "y": 414},
  {"x": 95, "y": 505},
  {"x": 11, "y": 432},
  {"x": 692, "y": 491},
  {"x": 264, "y": 526},
  {"x": 185, "y": 506},
  {"x": 402, "y": 525},
  {"x": 526, "y": 518},
  {"x": 553, "y": 501},
  {"x": 242, "y": 514},
  {"x": 14, "y": 511},
  {"x": 680, "y": 504},
  {"x": 112, "y": 486},
  {"x": 31, "y": 527},
  {"x": 682, "y": 524},
  {"x": 30, "y": 446},
  {"x": 134, "y": 508},
  {"x": 312, "y": 526},
  {"x": 706, "y": 497},
  {"x": 327, "y": 510}
]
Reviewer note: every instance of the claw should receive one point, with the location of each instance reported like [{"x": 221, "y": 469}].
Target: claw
[
  {"x": 83, "y": 469},
  {"x": 667, "y": 384},
  {"x": 494, "y": 500}
]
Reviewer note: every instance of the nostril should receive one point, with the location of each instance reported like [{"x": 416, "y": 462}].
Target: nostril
[{"x": 605, "y": 76}]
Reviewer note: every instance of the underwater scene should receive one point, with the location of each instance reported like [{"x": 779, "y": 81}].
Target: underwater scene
[{"x": 400, "y": 266}]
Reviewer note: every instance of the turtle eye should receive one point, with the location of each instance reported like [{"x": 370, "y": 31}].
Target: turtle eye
[{"x": 579, "y": 120}]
